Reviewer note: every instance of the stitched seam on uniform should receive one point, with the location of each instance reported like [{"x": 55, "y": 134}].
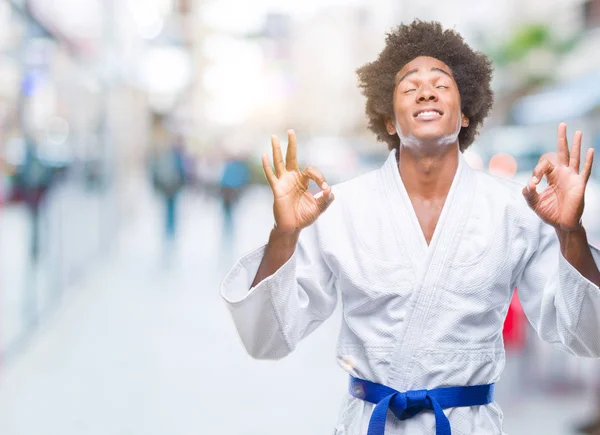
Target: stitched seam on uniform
[
  {"x": 256, "y": 253},
  {"x": 276, "y": 280},
  {"x": 414, "y": 325},
  {"x": 492, "y": 277},
  {"x": 356, "y": 235},
  {"x": 321, "y": 243},
  {"x": 251, "y": 293},
  {"x": 577, "y": 275},
  {"x": 365, "y": 347},
  {"x": 462, "y": 351},
  {"x": 522, "y": 223},
  {"x": 441, "y": 266},
  {"x": 390, "y": 178},
  {"x": 359, "y": 336},
  {"x": 458, "y": 229},
  {"x": 383, "y": 179},
  {"x": 582, "y": 289},
  {"x": 473, "y": 262},
  {"x": 281, "y": 328},
  {"x": 569, "y": 273},
  {"x": 472, "y": 354},
  {"x": 363, "y": 282},
  {"x": 242, "y": 264}
]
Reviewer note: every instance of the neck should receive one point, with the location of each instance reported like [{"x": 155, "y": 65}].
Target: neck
[{"x": 426, "y": 175}]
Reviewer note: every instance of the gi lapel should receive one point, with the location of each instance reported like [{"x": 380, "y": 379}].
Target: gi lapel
[{"x": 429, "y": 262}]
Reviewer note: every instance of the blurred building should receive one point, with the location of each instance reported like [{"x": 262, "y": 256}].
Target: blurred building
[
  {"x": 326, "y": 50},
  {"x": 72, "y": 83}
]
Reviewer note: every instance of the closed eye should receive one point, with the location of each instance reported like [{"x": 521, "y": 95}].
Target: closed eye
[
  {"x": 409, "y": 90},
  {"x": 442, "y": 87}
]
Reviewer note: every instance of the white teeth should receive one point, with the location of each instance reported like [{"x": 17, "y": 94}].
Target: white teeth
[{"x": 428, "y": 113}]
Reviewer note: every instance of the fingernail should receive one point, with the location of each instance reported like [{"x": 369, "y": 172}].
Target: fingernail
[
  {"x": 324, "y": 185},
  {"x": 534, "y": 179}
]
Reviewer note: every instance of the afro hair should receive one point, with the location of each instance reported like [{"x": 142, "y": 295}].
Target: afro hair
[{"x": 472, "y": 72}]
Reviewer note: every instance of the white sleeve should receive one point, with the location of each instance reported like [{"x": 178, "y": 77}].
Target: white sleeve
[
  {"x": 561, "y": 304},
  {"x": 272, "y": 317}
]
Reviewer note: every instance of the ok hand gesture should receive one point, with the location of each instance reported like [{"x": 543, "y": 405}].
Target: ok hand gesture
[
  {"x": 294, "y": 207},
  {"x": 561, "y": 203}
]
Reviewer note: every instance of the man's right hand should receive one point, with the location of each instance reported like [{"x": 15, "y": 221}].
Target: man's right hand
[{"x": 294, "y": 207}]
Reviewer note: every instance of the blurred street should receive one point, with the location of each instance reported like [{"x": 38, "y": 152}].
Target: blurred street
[{"x": 147, "y": 347}]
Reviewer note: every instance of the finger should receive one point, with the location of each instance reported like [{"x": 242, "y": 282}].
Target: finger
[
  {"x": 317, "y": 177},
  {"x": 576, "y": 152},
  {"x": 271, "y": 178},
  {"x": 563, "y": 145},
  {"x": 277, "y": 156},
  {"x": 544, "y": 167},
  {"x": 551, "y": 156},
  {"x": 587, "y": 166},
  {"x": 530, "y": 194},
  {"x": 291, "y": 163},
  {"x": 324, "y": 200}
]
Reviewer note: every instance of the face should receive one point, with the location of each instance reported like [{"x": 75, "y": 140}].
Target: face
[{"x": 426, "y": 105}]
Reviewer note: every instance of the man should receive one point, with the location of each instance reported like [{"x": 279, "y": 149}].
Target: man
[{"x": 425, "y": 251}]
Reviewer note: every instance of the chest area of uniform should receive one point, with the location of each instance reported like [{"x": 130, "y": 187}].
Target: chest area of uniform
[{"x": 464, "y": 251}]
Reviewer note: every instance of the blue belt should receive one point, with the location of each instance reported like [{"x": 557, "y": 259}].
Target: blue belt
[{"x": 407, "y": 405}]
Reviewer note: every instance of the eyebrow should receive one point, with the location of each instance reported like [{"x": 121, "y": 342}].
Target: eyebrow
[{"x": 412, "y": 71}]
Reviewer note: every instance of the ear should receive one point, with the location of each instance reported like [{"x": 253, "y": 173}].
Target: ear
[
  {"x": 390, "y": 127},
  {"x": 465, "y": 121}
]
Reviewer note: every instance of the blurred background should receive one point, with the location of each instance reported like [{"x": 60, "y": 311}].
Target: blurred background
[{"x": 130, "y": 141}]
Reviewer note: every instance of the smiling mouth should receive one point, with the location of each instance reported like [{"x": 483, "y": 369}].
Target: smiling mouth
[{"x": 428, "y": 114}]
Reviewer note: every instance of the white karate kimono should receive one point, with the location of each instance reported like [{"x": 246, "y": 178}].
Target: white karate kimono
[{"x": 418, "y": 316}]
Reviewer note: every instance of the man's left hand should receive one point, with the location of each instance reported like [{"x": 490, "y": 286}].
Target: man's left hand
[{"x": 561, "y": 203}]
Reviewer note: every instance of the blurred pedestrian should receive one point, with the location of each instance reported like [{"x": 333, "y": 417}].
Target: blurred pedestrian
[
  {"x": 168, "y": 178},
  {"x": 32, "y": 182},
  {"x": 235, "y": 178}
]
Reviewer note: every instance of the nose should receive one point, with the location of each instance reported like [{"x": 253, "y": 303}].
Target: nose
[{"x": 427, "y": 94}]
